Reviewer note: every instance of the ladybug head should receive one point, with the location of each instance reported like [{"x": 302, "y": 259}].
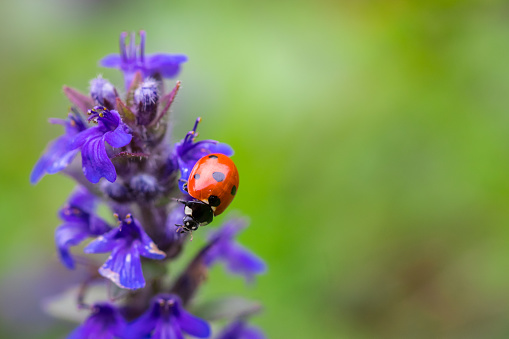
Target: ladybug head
[
  {"x": 199, "y": 212},
  {"x": 189, "y": 224}
]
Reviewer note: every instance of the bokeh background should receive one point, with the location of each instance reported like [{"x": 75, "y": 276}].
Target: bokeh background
[{"x": 372, "y": 138}]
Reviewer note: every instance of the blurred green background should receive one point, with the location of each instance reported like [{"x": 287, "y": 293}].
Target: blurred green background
[{"x": 372, "y": 138}]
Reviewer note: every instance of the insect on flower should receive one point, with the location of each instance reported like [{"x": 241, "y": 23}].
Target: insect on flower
[
  {"x": 130, "y": 165},
  {"x": 213, "y": 183}
]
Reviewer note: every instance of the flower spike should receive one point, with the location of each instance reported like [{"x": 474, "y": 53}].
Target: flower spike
[{"x": 126, "y": 137}]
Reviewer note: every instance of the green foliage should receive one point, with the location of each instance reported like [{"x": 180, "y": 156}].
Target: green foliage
[{"x": 372, "y": 141}]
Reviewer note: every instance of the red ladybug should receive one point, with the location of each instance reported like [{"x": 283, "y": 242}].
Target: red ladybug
[{"x": 213, "y": 182}]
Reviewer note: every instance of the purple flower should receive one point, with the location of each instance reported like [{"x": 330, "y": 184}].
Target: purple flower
[
  {"x": 188, "y": 152},
  {"x": 167, "y": 319},
  {"x": 239, "y": 329},
  {"x": 132, "y": 58},
  {"x": 58, "y": 154},
  {"x": 110, "y": 128},
  {"x": 105, "y": 322},
  {"x": 80, "y": 222},
  {"x": 126, "y": 243},
  {"x": 238, "y": 259},
  {"x": 103, "y": 92}
]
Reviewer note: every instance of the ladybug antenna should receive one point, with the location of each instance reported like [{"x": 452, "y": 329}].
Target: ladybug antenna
[{"x": 181, "y": 201}]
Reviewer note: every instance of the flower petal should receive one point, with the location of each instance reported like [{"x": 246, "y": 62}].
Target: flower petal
[
  {"x": 142, "y": 326},
  {"x": 241, "y": 261},
  {"x": 119, "y": 137},
  {"x": 148, "y": 248},
  {"x": 253, "y": 333},
  {"x": 67, "y": 235},
  {"x": 56, "y": 158},
  {"x": 84, "y": 200},
  {"x": 98, "y": 226},
  {"x": 240, "y": 329},
  {"x": 222, "y": 148},
  {"x": 111, "y": 61},
  {"x": 193, "y": 325},
  {"x": 167, "y": 330},
  {"x": 83, "y": 136},
  {"x": 103, "y": 243},
  {"x": 61, "y": 162},
  {"x": 95, "y": 161},
  {"x": 166, "y": 64},
  {"x": 105, "y": 322},
  {"x": 123, "y": 267}
]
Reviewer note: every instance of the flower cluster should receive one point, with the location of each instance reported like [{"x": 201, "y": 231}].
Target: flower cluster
[{"x": 129, "y": 165}]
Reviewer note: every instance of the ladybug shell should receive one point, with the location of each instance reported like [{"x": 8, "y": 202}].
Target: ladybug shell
[{"x": 214, "y": 174}]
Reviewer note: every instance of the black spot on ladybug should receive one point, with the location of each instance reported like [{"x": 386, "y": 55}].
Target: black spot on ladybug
[
  {"x": 214, "y": 201},
  {"x": 218, "y": 176},
  {"x": 196, "y": 176},
  {"x": 234, "y": 190},
  {"x": 213, "y": 156}
]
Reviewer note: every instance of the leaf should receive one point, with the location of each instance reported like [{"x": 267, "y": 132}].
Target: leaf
[
  {"x": 65, "y": 305},
  {"x": 125, "y": 113},
  {"x": 131, "y": 155},
  {"x": 82, "y": 101},
  {"x": 167, "y": 100},
  {"x": 227, "y": 308},
  {"x": 137, "y": 80}
]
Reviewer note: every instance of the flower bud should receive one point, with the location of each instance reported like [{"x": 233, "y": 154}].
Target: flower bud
[
  {"x": 144, "y": 187},
  {"x": 103, "y": 92},
  {"x": 146, "y": 98},
  {"x": 116, "y": 191}
]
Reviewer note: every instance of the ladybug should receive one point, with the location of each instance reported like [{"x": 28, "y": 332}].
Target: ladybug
[{"x": 213, "y": 183}]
